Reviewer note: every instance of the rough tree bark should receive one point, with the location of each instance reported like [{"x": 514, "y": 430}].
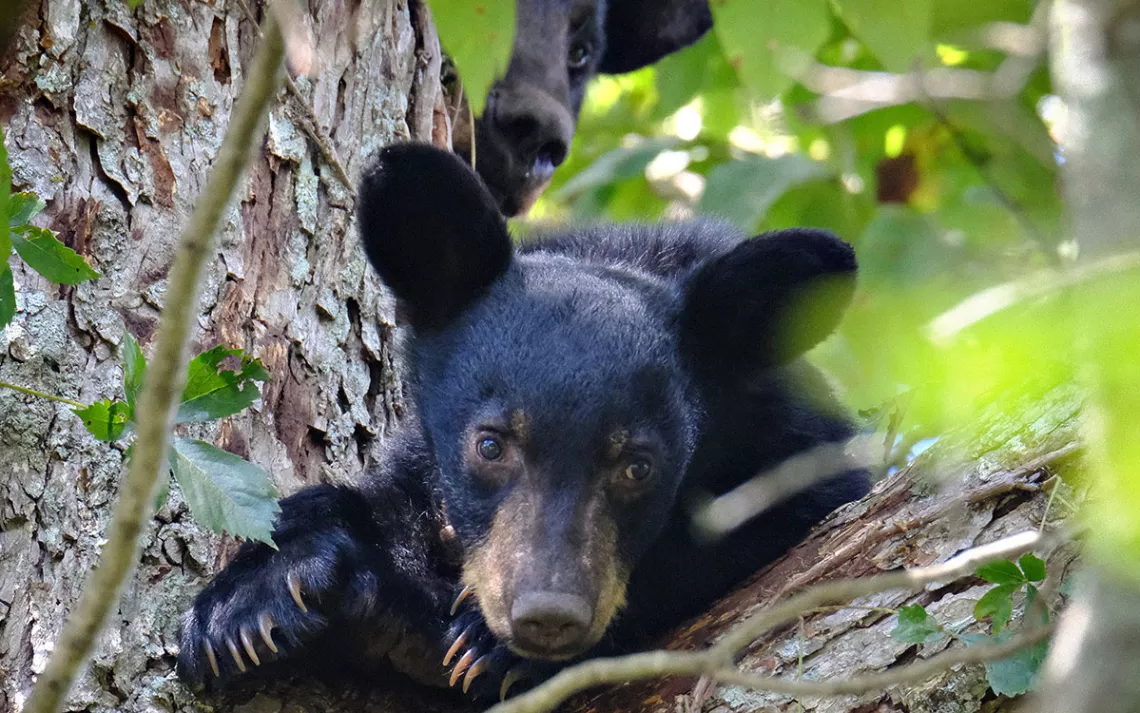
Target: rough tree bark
[{"x": 112, "y": 116}]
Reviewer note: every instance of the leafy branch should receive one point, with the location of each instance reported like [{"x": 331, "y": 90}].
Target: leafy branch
[
  {"x": 717, "y": 662},
  {"x": 158, "y": 398}
]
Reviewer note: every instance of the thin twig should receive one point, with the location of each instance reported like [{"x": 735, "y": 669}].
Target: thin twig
[
  {"x": 164, "y": 382},
  {"x": 717, "y": 662},
  {"x": 310, "y": 125},
  {"x": 665, "y": 663},
  {"x": 41, "y": 395},
  {"x": 788, "y": 479},
  {"x": 992, "y": 300}
]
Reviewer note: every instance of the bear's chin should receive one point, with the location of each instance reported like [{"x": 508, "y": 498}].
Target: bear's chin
[{"x": 559, "y": 655}]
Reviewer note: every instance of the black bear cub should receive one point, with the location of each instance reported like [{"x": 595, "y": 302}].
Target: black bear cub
[{"x": 572, "y": 396}]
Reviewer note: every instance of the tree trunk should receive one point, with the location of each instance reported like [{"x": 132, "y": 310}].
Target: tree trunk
[{"x": 113, "y": 116}]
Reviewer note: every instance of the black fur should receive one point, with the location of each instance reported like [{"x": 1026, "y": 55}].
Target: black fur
[
  {"x": 528, "y": 122},
  {"x": 682, "y": 336}
]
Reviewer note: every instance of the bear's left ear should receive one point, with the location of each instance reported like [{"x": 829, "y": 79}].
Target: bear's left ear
[
  {"x": 640, "y": 32},
  {"x": 431, "y": 230},
  {"x": 765, "y": 302}
]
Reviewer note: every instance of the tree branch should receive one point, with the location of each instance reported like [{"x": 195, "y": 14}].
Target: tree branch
[
  {"x": 41, "y": 395},
  {"x": 716, "y": 662},
  {"x": 163, "y": 384}
]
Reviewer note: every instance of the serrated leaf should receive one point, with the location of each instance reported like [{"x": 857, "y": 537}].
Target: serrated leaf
[
  {"x": 770, "y": 43},
  {"x": 212, "y": 392},
  {"x": 104, "y": 419},
  {"x": 1033, "y": 567},
  {"x": 1003, "y": 572},
  {"x": 5, "y": 193},
  {"x": 998, "y": 603},
  {"x": 478, "y": 35},
  {"x": 7, "y": 296},
  {"x": 134, "y": 369},
  {"x": 915, "y": 626},
  {"x": 43, "y": 252},
  {"x": 226, "y": 494},
  {"x": 22, "y": 207},
  {"x": 895, "y": 32}
]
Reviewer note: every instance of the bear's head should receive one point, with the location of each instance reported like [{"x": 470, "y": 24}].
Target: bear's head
[{"x": 562, "y": 399}]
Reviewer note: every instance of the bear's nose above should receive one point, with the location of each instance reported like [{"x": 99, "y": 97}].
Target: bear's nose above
[{"x": 550, "y": 621}]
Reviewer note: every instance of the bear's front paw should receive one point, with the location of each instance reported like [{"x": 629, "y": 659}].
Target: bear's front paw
[
  {"x": 261, "y": 608},
  {"x": 482, "y": 665}
]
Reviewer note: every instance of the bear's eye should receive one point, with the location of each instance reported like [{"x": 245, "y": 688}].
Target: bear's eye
[
  {"x": 638, "y": 470},
  {"x": 578, "y": 56},
  {"x": 490, "y": 448}
]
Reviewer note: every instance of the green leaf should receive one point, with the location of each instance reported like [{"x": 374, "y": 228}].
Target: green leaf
[
  {"x": 7, "y": 296},
  {"x": 134, "y": 369},
  {"x": 46, "y": 255},
  {"x": 105, "y": 419},
  {"x": 163, "y": 493},
  {"x": 225, "y": 493},
  {"x": 22, "y": 207},
  {"x": 915, "y": 626},
  {"x": 212, "y": 392},
  {"x": 5, "y": 193},
  {"x": 132, "y": 4},
  {"x": 998, "y": 603},
  {"x": 1017, "y": 674},
  {"x": 896, "y": 32},
  {"x": 1003, "y": 572},
  {"x": 1033, "y": 567},
  {"x": 770, "y": 43},
  {"x": 478, "y": 35},
  {"x": 617, "y": 165},
  {"x": 743, "y": 191}
]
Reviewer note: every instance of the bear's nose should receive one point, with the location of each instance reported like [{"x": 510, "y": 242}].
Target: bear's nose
[{"x": 550, "y": 621}]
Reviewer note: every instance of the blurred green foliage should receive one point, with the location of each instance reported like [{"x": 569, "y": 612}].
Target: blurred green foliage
[{"x": 922, "y": 132}]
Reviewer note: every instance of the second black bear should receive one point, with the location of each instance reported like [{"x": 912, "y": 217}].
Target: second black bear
[{"x": 570, "y": 397}]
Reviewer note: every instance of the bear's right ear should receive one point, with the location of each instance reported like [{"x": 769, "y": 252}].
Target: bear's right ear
[
  {"x": 431, "y": 230},
  {"x": 765, "y": 302}
]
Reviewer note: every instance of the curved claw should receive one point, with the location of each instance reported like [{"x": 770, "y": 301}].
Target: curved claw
[
  {"x": 212, "y": 659},
  {"x": 472, "y": 673},
  {"x": 456, "y": 646},
  {"x": 237, "y": 657},
  {"x": 265, "y": 625},
  {"x": 460, "y": 667},
  {"x": 463, "y": 594},
  {"x": 247, "y": 644},
  {"x": 513, "y": 676},
  {"x": 447, "y": 534},
  {"x": 294, "y": 583}
]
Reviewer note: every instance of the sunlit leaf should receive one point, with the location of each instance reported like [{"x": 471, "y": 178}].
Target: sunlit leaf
[
  {"x": 1002, "y": 572},
  {"x": 104, "y": 419},
  {"x": 214, "y": 392},
  {"x": 619, "y": 164},
  {"x": 226, "y": 494},
  {"x": 477, "y": 34},
  {"x": 770, "y": 43},
  {"x": 1033, "y": 567},
  {"x": 22, "y": 207},
  {"x": 896, "y": 32},
  {"x": 998, "y": 603},
  {"x": 45, "y": 254},
  {"x": 916, "y": 626}
]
